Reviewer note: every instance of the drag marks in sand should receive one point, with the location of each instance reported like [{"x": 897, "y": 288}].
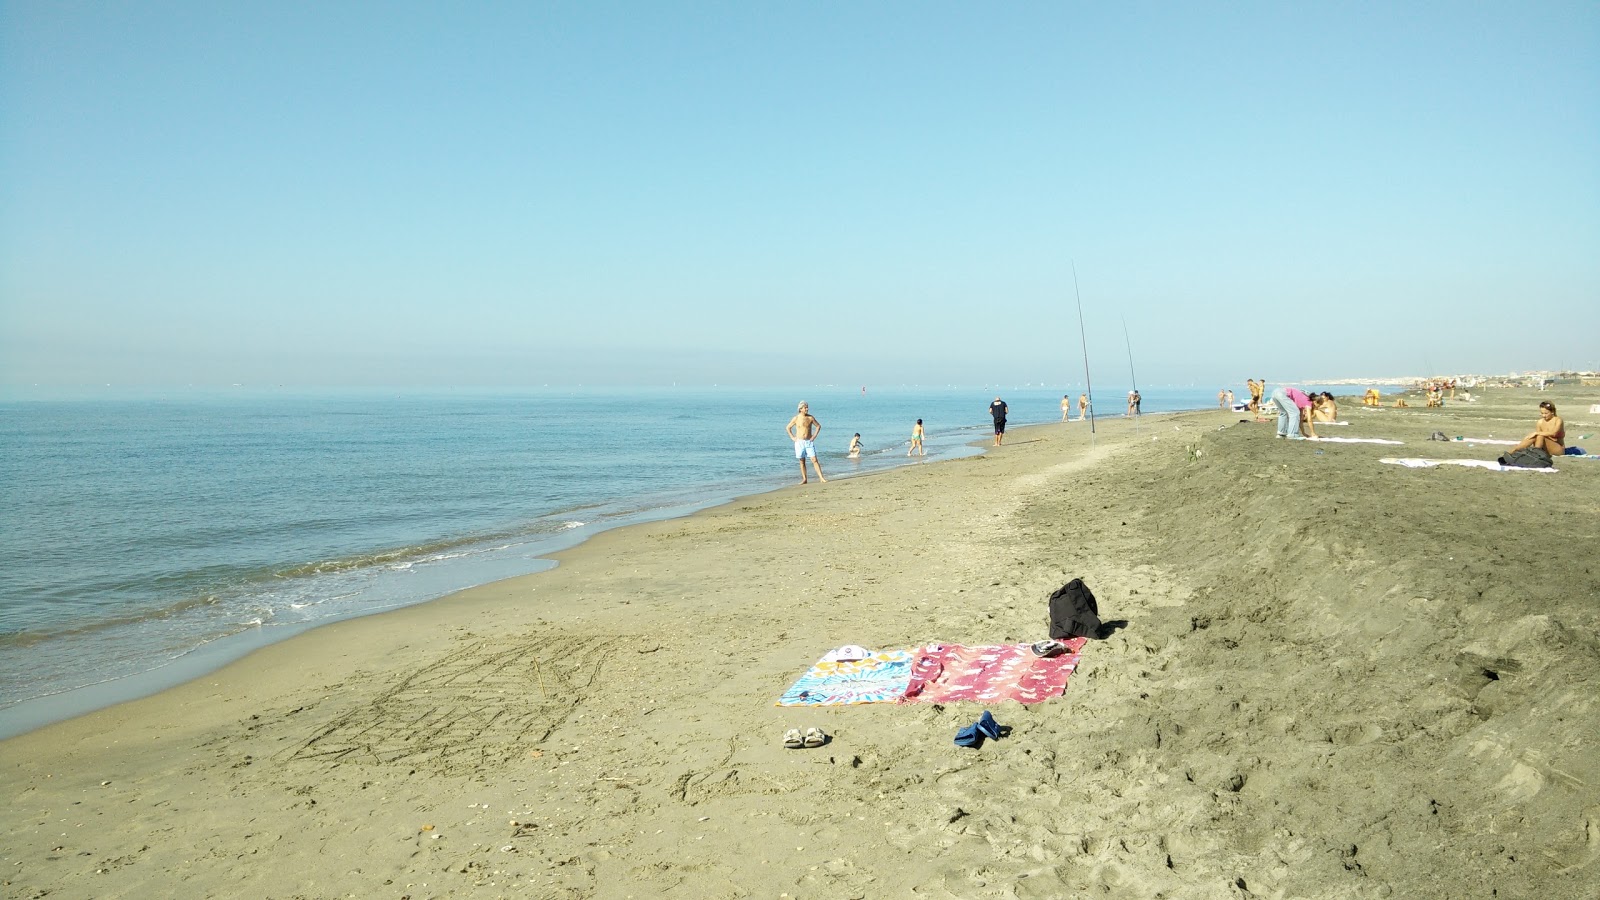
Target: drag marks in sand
[{"x": 481, "y": 706}]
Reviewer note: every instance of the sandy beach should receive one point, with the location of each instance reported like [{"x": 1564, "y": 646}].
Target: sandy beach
[{"x": 1337, "y": 678}]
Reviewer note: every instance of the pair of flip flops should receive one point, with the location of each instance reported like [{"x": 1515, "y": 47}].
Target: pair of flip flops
[
  {"x": 794, "y": 739},
  {"x": 973, "y": 735}
]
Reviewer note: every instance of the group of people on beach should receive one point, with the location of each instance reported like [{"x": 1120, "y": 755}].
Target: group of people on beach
[
  {"x": 1257, "y": 388},
  {"x": 803, "y": 429},
  {"x": 1066, "y": 407},
  {"x": 1298, "y": 411}
]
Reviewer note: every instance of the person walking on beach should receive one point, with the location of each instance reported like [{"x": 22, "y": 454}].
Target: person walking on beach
[
  {"x": 1133, "y": 403},
  {"x": 1066, "y": 407},
  {"x": 803, "y": 430},
  {"x": 916, "y": 441},
  {"x": 1257, "y": 388},
  {"x": 997, "y": 411},
  {"x": 1083, "y": 407}
]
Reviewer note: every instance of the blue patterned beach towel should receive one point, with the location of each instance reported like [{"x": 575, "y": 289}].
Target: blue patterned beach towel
[{"x": 880, "y": 678}]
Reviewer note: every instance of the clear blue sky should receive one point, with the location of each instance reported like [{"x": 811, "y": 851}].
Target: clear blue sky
[{"x": 643, "y": 193}]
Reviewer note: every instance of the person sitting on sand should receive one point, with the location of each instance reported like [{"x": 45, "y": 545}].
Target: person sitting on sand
[
  {"x": 1324, "y": 408},
  {"x": 1549, "y": 435},
  {"x": 1372, "y": 398},
  {"x": 855, "y": 446},
  {"x": 916, "y": 441}
]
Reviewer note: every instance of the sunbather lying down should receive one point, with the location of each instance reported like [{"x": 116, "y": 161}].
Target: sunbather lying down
[{"x": 1548, "y": 433}]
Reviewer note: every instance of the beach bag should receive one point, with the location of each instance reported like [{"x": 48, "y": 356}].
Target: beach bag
[
  {"x": 1527, "y": 458},
  {"x": 1073, "y": 611}
]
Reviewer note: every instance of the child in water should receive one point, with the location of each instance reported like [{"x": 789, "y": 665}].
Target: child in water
[{"x": 855, "y": 446}]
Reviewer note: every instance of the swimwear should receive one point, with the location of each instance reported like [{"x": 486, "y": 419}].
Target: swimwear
[{"x": 805, "y": 450}]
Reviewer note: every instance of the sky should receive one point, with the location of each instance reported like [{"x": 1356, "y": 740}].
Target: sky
[{"x": 518, "y": 194}]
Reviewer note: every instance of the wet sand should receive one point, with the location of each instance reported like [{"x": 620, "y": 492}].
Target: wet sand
[{"x": 1338, "y": 678}]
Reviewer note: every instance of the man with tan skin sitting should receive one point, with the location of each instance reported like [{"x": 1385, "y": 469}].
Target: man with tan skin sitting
[{"x": 1549, "y": 434}]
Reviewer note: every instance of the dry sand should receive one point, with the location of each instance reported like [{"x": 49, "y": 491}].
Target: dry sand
[{"x": 1338, "y": 679}]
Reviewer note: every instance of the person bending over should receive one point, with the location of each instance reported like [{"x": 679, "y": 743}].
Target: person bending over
[
  {"x": 1549, "y": 434},
  {"x": 1294, "y": 420}
]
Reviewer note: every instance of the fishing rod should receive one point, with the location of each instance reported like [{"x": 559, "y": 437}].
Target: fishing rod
[
  {"x": 1088, "y": 385},
  {"x": 1131, "y": 375}
]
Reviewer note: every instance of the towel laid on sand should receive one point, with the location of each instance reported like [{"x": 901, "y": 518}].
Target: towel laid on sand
[
  {"x": 880, "y": 678},
  {"x": 1335, "y": 440},
  {"x": 1414, "y": 463},
  {"x": 1485, "y": 441},
  {"x": 948, "y": 672}
]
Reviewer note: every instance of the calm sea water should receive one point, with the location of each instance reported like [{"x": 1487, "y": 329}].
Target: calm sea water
[{"x": 144, "y": 541}]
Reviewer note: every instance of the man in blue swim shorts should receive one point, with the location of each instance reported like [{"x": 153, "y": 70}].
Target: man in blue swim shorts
[{"x": 803, "y": 430}]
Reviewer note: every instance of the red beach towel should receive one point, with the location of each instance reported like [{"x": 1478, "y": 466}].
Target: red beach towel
[{"x": 947, "y": 672}]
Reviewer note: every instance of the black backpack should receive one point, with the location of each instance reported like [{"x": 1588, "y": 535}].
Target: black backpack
[
  {"x": 1527, "y": 458},
  {"x": 1073, "y": 611}
]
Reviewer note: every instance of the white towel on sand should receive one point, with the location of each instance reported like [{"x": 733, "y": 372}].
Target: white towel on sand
[
  {"x": 1415, "y": 463},
  {"x": 1334, "y": 440}
]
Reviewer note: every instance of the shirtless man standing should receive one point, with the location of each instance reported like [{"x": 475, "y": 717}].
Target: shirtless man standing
[{"x": 803, "y": 430}]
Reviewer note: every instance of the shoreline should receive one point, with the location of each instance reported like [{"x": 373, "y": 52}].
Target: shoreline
[
  {"x": 204, "y": 659},
  {"x": 27, "y": 715},
  {"x": 607, "y": 727}
]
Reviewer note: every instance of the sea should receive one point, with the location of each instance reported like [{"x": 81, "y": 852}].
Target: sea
[{"x": 149, "y": 538}]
